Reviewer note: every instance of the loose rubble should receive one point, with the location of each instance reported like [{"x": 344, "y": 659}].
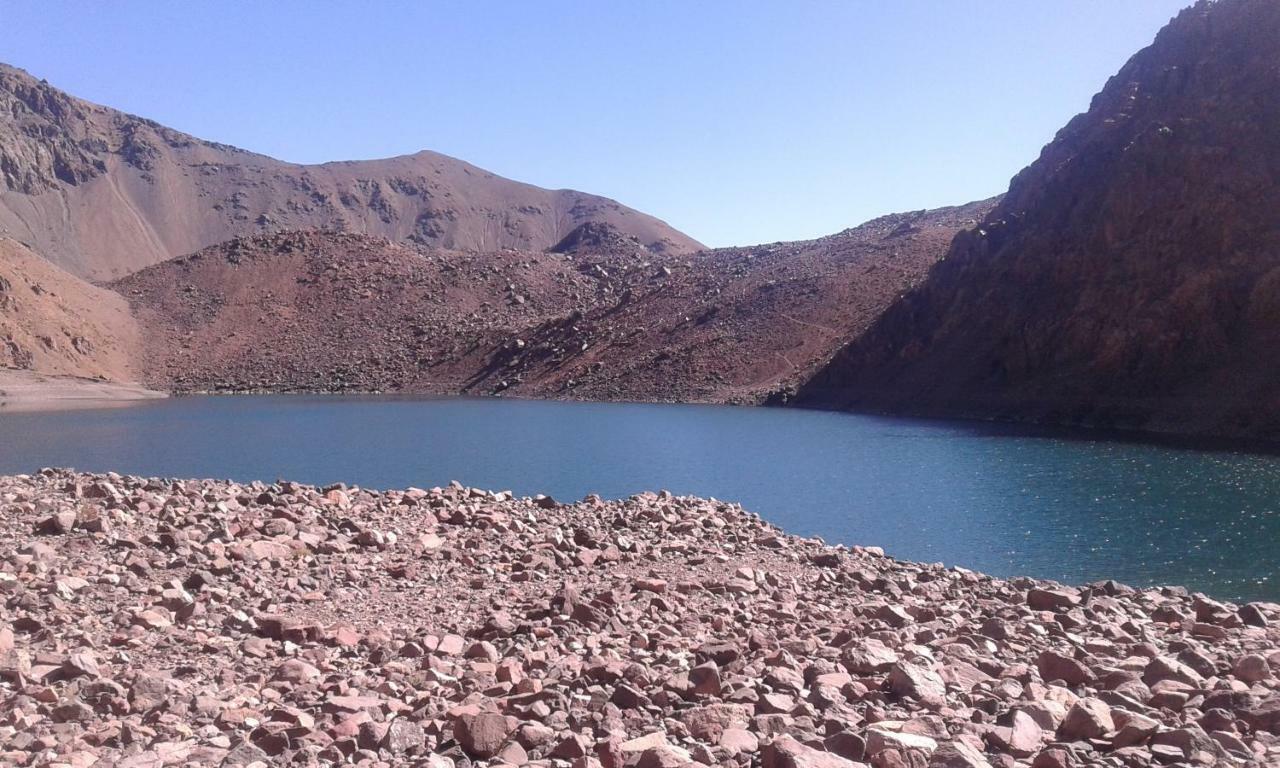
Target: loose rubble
[{"x": 149, "y": 622}]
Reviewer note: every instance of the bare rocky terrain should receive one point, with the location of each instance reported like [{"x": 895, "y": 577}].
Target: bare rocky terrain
[
  {"x": 102, "y": 193},
  {"x": 599, "y": 316},
  {"x": 149, "y": 622},
  {"x": 1130, "y": 277},
  {"x": 56, "y": 323}
]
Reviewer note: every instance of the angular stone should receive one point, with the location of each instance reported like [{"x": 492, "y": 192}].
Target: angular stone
[
  {"x": 917, "y": 682},
  {"x": 1087, "y": 719},
  {"x": 1056, "y": 666},
  {"x": 481, "y": 734},
  {"x": 786, "y": 752}
]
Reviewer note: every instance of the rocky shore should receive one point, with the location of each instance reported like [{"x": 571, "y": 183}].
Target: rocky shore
[{"x": 148, "y": 622}]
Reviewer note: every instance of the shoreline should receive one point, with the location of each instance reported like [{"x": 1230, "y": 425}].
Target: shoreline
[
  {"x": 24, "y": 391},
  {"x": 454, "y": 626}
]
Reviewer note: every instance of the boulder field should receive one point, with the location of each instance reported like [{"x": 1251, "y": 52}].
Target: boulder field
[{"x": 161, "y": 622}]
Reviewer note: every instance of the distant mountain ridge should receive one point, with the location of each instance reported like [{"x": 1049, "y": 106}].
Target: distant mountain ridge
[
  {"x": 1130, "y": 277},
  {"x": 102, "y": 193}
]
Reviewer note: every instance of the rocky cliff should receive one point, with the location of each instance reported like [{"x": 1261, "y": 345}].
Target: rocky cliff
[
  {"x": 1131, "y": 275},
  {"x": 102, "y": 193}
]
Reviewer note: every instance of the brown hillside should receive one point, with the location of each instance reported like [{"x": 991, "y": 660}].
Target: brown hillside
[
  {"x": 102, "y": 193},
  {"x": 605, "y": 319},
  {"x": 53, "y": 322},
  {"x": 737, "y": 324},
  {"x": 1131, "y": 276}
]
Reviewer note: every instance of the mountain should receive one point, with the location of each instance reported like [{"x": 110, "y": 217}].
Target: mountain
[
  {"x": 738, "y": 324},
  {"x": 55, "y": 323},
  {"x": 600, "y": 316},
  {"x": 1131, "y": 276},
  {"x": 102, "y": 193}
]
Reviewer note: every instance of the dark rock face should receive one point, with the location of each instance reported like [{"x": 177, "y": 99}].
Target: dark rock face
[
  {"x": 1131, "y": 275},
  {"x": 33, "y": 159}
]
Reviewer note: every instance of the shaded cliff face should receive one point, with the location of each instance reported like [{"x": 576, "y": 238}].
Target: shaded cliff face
[
  {"x": 1131, "y": 275},
  {"x": 605, "y": 319},
  {"x": 102, "y": 193}
]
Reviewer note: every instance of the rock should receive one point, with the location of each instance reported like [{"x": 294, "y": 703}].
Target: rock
[
  {"x": 1137, "y": 729},
  {"x": 664, "y": 756},
  {"x": 1053, "y": 757},
  {"x": 481, "y": 734},
  {"x": 708, "y": 723},
  {"x": 915, "y": 748},
  {"x": 786, "y": 752},
  {"x": 1163, "y": 668},
  {"x": 704, "y": 679},
  {"x": 1252, "y": 668},
  {"x": 958, "y": 754},
  {"x": 153, "y": 619},
  {"x": 657, "y": 586},
  {"x": 1052, "y": 599},
  {"x": 739, "y": 741},
  {"x": 868, "y": 657},
  {"x": 1087, "y": 719},
  {"x": 1056, "y": 666},
  {"x": 81, "y": 664},
  {"x": 913, "y": 681},
  {"x": 58, "y": 523},
  {"x": 1021, "y": 737},
  {"x": 1253, "y": 615},
  {"x": 296, "y": 671}
]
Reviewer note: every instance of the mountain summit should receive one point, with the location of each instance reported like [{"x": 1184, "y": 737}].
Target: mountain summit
[
  {"x": 102, "y": 193},
  {"x": 1130, "y": 277}
]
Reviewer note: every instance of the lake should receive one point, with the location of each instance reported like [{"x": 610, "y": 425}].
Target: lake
[{"x": 1003, "y": 500}]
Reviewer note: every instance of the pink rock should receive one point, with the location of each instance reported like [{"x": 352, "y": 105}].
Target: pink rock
[
  {"x": 958, "y": 754},
  {"x": 914, "y": 681},
  {"x": 1056, "y": 666},
  {"x": 739, "y": 741},
  {"x": 1252, "y": 668},
  {"x": 786, "y": 752},
  {"x": 482, "y": 734},
  {"x": 1087, "y": 719}
]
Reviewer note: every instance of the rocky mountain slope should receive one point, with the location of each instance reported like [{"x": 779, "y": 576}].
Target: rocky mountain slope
[
  {"x": 102, "y": 193},
  {"x": 55, "y": 323},
  {"x": 738, "y": 324},
  {"x": 1131, "y": 275},
  {"x": 166, "y": 622},
  {"x": 600, "y": 316}
]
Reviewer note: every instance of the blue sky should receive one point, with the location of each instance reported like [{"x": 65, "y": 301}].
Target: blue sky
[{"x": 737, "y": 122}]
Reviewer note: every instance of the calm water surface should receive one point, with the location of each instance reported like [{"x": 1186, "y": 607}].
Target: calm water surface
[{"x": 1002, "y": 501}]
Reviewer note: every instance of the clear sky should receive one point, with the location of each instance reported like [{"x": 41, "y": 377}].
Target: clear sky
[{"x": 737, "y": 122}]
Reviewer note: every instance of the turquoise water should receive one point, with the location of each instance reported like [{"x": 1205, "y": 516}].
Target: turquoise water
[{"x": 1001, "y": 500}]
